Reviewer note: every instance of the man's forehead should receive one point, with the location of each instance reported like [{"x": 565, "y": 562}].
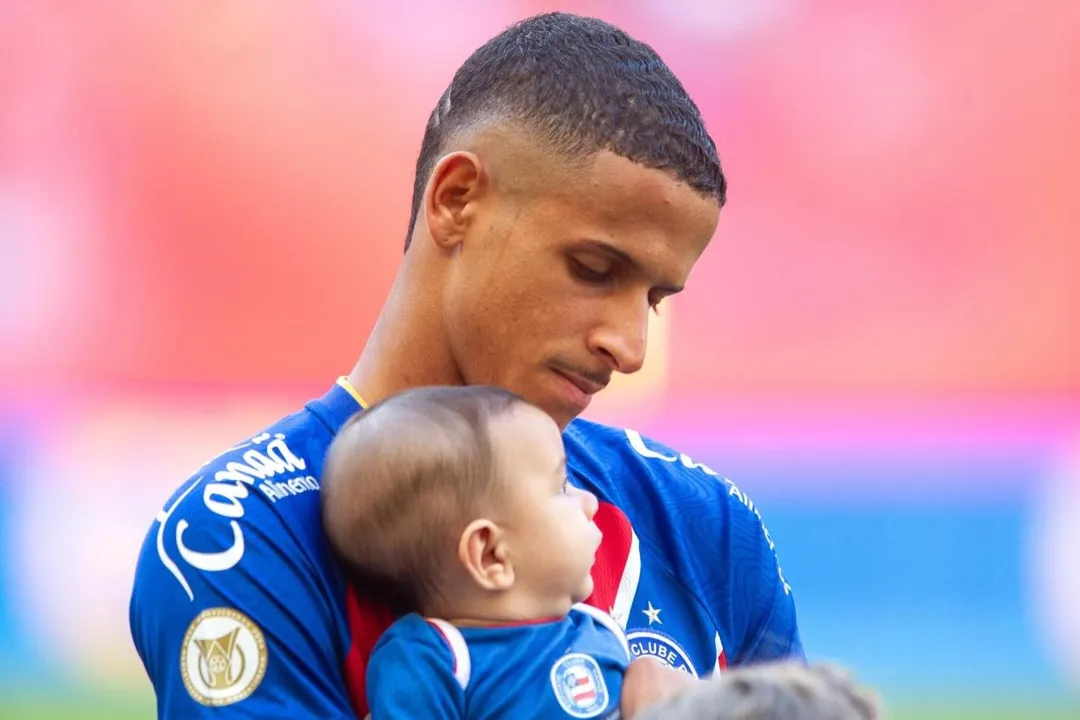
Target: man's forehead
[
  {"x": 601, "y": 196},
  {"x": 632, "y": 188},
  {"x": 661, "y": 223}
]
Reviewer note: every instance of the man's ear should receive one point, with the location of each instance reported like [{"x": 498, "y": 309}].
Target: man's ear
[
  {"x": 457, "y": 182},
  {"x": 483, "y": 552}
]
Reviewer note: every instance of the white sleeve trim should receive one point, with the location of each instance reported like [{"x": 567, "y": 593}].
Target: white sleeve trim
[
  {"x": 458, "y": 648},
  {"x": 607, "y": 621}
]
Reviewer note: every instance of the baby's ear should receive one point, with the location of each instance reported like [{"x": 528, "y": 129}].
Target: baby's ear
[{"x": 482, "y": 551}]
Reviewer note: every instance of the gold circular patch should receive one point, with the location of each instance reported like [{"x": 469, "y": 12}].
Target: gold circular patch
[{"x": 223, "y": 657}]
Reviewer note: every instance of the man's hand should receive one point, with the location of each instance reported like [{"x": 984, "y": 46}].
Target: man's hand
[{"x": 649, "y": 681}]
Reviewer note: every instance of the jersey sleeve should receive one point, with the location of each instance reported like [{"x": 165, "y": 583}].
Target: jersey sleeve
[
  {"x": 411, "y": 675},
  {"x": 233, "y": 609},
  {"x": 772, "y": 631}
]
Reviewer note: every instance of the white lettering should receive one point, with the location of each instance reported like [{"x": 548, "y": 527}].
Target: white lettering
[
  {"x": 216, "y": 561},
  {"x": 163, "y": 518},
  {"x": 733, "y": 491},
  {"x": 691, "y": 465},
  {"x": 224, "y": 497},
  {"x": 644, "y": 643},
  {"x": 264, "y": 465},
  {"x": 236, "y": 472},
  {"x": 293, "y": 486},
  {"x": 772, "y": 545},
  {"x": 280, "y": 452},
  {"x": 232, "y": 494},
  {"x": 638, "y": 443},
  {"x": 783, "y": 581}
]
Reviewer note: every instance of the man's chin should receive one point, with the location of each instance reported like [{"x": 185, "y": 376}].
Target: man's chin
[
  {"x": 557, "y": 395},
  {"x": 561, "y": 414},
  {"x": 564, "y": 420}
]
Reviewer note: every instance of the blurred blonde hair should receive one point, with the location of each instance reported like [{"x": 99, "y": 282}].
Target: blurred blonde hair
[{"x": 773, "y": 691}]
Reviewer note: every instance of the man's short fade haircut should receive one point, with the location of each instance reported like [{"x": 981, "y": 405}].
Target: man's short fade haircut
[
  {"x": 580, "y": 85},
  {"x": 403, "y": 479}
]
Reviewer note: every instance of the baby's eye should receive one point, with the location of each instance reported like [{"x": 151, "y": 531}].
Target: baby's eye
[{"x": 565, "y": 486}]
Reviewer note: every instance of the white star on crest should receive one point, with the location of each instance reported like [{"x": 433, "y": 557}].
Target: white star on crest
[{"x": 653, "y": 614}]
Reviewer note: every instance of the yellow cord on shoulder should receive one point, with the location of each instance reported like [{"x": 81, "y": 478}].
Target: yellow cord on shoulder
[{"x": 344, "y": 383}]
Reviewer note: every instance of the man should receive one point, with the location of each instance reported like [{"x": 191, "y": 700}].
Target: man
[{"x": 566, "y": 185}]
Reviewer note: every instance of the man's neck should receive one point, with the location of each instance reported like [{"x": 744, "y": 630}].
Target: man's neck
[{"x": 407, "y": 347}]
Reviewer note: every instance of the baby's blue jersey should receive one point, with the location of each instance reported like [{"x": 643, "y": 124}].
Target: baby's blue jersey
[
  {"x": 568, "y": 668},
  {"x": 238, "y": 609}
]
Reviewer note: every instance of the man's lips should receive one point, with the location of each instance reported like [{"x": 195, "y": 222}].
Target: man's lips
[{"x": 588, "y": 386}]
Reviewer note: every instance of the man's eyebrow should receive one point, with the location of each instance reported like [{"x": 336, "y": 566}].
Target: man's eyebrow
[{"x": 627, "y": 259}]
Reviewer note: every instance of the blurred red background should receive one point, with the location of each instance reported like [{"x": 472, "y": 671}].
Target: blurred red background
[{"x": 904, "y": 225}]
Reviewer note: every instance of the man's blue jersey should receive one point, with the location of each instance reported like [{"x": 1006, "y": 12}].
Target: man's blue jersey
[
  {"x": 238, "y": 609},
  {"x": 568, "y": 668}
]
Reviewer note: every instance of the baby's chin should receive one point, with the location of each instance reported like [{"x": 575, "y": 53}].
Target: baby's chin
[{"x": 584, "y": 590}]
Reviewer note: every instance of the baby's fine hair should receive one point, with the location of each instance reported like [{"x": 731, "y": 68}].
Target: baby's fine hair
[
  {"x": 773, "y": 691},
  {"x": 404, "y": 478}
]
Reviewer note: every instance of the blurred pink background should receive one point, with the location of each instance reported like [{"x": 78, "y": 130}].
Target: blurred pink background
[{"x": 185, "y": 181}]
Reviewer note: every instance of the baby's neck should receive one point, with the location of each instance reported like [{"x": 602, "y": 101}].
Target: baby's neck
[
  {"x": 509, "y": 608},
  {"x": 501, "y": 621}
]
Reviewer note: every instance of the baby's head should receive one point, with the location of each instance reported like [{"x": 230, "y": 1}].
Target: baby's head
[{"x": 456, "y": 498}]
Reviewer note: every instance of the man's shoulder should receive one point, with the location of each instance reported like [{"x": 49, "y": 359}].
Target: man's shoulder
[
  {"x": 282, "y": 460},
  {"x": 236, "y": 556},
  {"x": 594, "y": 447},
  {"x": 278, "y": 463},
  {"x": 259, "y": 493},
  {"x": 627, "y": 464}
]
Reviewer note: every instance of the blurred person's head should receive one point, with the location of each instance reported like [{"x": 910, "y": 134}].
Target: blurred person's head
[
  {"x": 566, "y": 185},
  {"x": 772, "y": 691},
  {"x": 456, "y": 500}
]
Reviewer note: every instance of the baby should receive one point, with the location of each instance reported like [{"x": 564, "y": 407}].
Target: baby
[{"x": 455, "y": 500}]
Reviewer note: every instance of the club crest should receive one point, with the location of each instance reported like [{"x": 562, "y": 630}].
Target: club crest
[{"x": 579, "y": 685}]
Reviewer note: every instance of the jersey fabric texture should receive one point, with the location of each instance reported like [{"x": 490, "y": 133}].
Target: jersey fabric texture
[
  {"x": 239, "y": 610},
  {"x": 566, "y": 668}
]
